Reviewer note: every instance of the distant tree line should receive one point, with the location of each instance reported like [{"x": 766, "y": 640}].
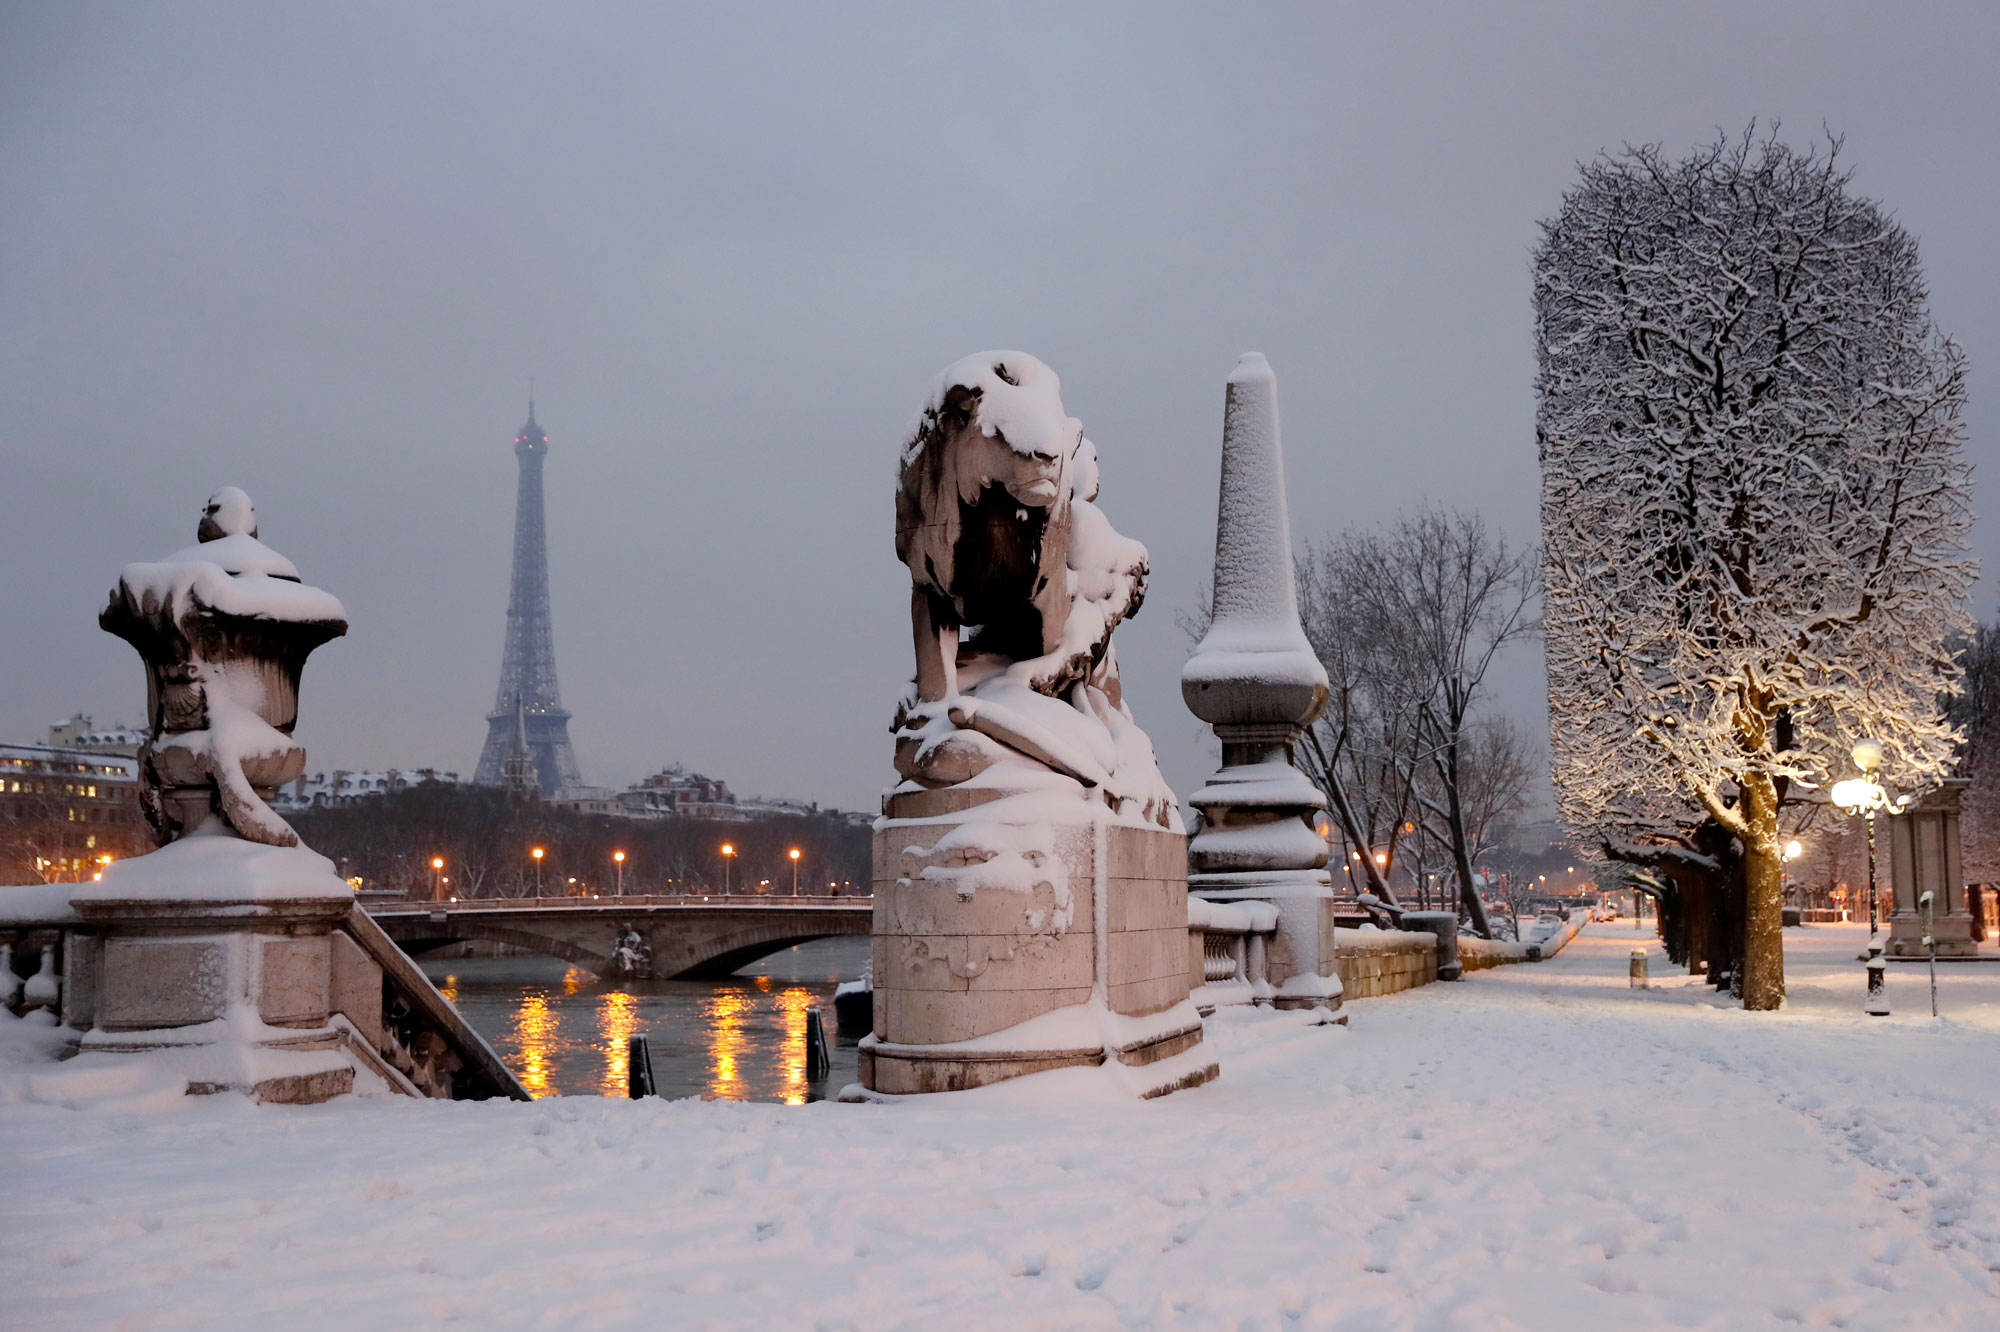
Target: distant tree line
[{"x": 486, "y": 839}]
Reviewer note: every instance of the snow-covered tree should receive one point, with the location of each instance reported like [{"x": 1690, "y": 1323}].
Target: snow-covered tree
[{"x": 1754, "y": 497}]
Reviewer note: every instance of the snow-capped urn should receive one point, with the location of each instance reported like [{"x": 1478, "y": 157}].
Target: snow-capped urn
[
  {"x": 225, "y": 627},
  {"x": 997, "y": 522}
]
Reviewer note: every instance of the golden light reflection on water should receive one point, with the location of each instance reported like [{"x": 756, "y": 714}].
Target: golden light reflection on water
[
  {"x": 727, "y": 1043},
  {"x": 564, "y": 1031},
  {"x": 792, "y": 1005},
  {"x": 617, "y": 1022},
  {"x": 534, "y": 1036}
]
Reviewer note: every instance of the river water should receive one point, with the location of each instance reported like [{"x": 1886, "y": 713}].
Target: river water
[{"x": 563, "y": 1031}]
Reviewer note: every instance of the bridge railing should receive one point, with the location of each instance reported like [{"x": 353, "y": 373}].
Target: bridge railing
[{"x": 611, "y": 901}]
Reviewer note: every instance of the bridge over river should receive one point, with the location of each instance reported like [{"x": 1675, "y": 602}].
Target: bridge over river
[{"x": 664, "y": 938}]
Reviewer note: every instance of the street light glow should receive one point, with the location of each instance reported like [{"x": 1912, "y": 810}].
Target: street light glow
[
  {"x": 618, "y": 856},
  {"x": 536, "y": 853},
  {"x": 794, "y": 853},
  {"x": 437, "y": 862},
  {"x": 728, "y": 850}
]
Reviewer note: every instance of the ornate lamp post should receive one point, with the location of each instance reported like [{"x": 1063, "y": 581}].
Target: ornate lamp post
[
  {"x": 794, "y": 854},
  {"x": 1864, "y": 795},
  {"x": 537, "y": 853},
  {"x": 437, "y": 883},
  {"x": 728, "y": 859},
  {"x": 618, "y": 858}
]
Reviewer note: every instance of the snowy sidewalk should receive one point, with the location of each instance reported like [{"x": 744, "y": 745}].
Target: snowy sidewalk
[{"x": 1536, "y": 1148}]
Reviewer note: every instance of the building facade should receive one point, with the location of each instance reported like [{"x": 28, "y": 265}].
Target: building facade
[{"x": 66, "y": 813}]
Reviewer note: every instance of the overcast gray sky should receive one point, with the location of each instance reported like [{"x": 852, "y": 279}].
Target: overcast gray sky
[{"x": 316, "y": 251}]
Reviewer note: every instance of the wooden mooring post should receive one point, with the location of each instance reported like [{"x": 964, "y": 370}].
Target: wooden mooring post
[
  {"x": 818, "y": 1062},
  {"x": 638, "y": 1068}
]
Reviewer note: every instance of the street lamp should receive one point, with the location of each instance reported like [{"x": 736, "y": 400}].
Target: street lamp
[
  {"x": 437, "y": 888},
  {"x": 728, "y": 855},
  {"x": 794, "y": 854},
  {"x": 1864, "y": 795},
  {"x": 618, "y": 857},
  {"x": 537, "y": 853}
]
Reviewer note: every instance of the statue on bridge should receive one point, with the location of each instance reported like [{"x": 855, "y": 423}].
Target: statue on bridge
[{"x": 1031, "y": 869}]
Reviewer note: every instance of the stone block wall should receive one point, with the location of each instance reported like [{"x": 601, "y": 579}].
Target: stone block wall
[
  {"x": 1482, "y": 954},
  {"x": 1373, "y": 963}
]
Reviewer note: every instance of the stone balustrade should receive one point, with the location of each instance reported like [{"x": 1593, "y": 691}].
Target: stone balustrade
[{"x": 1229, "y": 952}]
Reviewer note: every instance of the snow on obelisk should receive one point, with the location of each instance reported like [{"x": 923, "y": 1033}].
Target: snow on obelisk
[{"x": 1257, "y": 681}]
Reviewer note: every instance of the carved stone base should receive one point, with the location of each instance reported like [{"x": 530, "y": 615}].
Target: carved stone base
[
  {"x": 1301, "y": 965},
  {"x": 984, "y": 925},
  {"x": 1953, "y": 933}
]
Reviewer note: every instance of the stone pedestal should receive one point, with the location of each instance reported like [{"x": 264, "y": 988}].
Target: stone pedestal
[
  {"x": 228, "y": 956},
  {"x": 1443, "y": 924},
  {"x": 1003, "y": 948},
  {"x": 1924, "y": 857}
]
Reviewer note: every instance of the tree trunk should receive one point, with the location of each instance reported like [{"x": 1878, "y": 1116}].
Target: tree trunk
[
  {"x": 1763, "y": 898},
  {"x": 1455, "y": 816}
]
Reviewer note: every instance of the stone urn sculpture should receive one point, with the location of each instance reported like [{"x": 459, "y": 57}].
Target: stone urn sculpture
[
  {"x": 219, "y": 955},
  {"x": 225, "y": 627}
]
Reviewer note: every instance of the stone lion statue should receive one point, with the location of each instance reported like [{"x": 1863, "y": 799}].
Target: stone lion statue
[{"x": 1016, "y": 583}]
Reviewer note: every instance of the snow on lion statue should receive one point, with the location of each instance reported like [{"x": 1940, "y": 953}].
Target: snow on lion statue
[{"x": 1017, "y": 581}]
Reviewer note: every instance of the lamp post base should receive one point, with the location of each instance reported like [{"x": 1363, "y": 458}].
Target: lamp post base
[{"x": 1878, "y": 995}]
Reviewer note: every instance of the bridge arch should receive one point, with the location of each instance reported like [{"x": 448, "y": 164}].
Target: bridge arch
[
  {"x": 687, "y": 941},
  {"x": 415, "y": 942}
]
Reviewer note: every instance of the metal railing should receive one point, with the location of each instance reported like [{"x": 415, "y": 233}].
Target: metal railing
[{"x": 418, "y": 906}]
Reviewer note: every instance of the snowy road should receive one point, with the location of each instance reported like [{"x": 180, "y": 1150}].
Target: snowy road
[{"x": 1537, "y": 1148}]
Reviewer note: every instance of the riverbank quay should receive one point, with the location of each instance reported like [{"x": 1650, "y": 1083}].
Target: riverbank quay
[{"x": 1536, "y": 1147}]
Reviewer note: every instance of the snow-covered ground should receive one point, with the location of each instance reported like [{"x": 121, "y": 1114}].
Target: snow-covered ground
[{"x": 1536, "y": 1148}]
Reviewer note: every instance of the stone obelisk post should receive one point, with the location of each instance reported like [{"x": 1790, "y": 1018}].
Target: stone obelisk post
[{"x": 1257, "y": 681}]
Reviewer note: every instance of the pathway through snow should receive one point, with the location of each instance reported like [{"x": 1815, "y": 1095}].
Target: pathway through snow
[{"x": 1537, "y": 1147}]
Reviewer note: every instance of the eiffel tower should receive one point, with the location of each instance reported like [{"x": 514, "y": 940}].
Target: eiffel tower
[{"x": 528, "y": 698}]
